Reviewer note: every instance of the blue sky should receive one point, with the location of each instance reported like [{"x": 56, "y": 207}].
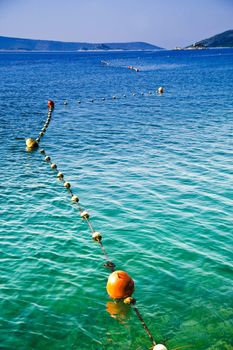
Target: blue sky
[{"x": 166, "y": 23}]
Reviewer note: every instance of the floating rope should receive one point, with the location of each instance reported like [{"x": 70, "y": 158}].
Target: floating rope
[
  {"x": 159, "y": 91},
  {"x": 120, "y": 285},
  {"x": 83, "y": 213},
  {"x": 33, "y": 144}
]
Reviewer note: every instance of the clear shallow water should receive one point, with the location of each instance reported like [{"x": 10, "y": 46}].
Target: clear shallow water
[{"x": 155, "y": 174}]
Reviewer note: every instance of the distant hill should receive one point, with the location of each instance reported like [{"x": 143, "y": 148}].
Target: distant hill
[
  {"x": 224, "y": 39},
  {"x": 17, "y": 44}
]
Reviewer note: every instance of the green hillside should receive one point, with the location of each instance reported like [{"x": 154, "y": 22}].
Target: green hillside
[
  {"x": 224, "y": 39},
  {"x": 19, "y": 44}
]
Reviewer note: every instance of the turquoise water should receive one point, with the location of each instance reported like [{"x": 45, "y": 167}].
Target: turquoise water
[{"x": 154, "y": 172}]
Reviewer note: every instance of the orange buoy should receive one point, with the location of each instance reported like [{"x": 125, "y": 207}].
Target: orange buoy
[
  {"x": 120, "y": 285},
  {"x": 50, "y": 104}
]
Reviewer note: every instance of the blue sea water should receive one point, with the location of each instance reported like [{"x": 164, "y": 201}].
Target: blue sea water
[{"x": 156, "y": 175}]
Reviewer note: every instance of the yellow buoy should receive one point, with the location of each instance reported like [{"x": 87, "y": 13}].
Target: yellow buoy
[
  {"x": 31, "y": 144},
  {"x": 129, "y": 301}
]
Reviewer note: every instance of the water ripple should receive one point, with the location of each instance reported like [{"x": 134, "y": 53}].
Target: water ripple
[{"x": 155, "y": 173}]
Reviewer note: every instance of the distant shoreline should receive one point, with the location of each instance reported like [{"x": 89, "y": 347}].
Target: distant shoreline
[
  {"x": 113, "y": 50},
  {"x": 11, "y": 44},
  {"x": 82, "y": 51}
]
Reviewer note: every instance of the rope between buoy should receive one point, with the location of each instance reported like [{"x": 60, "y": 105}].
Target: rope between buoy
[
  {"x": 144, "y": 324},
  {"x": 108, "y": 263},
  {"x": 84, "y": 214},
  {"x": 96, "y": 236},
  {"x": 158, "y": 91}
]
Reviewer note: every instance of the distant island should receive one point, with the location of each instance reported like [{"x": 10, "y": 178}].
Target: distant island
[
  {"x": 19, "y": 44},
  {"x": 224, "y": 39}
]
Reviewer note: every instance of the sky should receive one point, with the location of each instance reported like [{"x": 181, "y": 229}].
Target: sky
[{"x": 165, "y": 23}]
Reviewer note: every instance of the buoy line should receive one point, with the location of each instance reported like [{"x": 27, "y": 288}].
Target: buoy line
[
  {"x": 120, "y": 286},
  {"x": 159, "y": 91},
  {"x": 33, "y": 144}
]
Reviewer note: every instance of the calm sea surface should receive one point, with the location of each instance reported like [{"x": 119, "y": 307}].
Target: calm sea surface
[{"x": 156, "y": 175}]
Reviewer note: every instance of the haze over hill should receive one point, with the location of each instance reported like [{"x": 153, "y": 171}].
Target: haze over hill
[{"x": 20, "y": 44}]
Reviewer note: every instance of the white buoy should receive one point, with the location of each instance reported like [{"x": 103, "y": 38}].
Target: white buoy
[
  {"x": 75, "y": 199},
  {"x": 60, "y": 175},
  {"x": 159, "y": 347},
  {"x": 85, "y": 215},
  {"x": 160, "y": 90},
  {"x": 96, "y": 236}
]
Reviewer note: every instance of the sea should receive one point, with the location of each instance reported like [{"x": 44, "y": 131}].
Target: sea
[{"x": 155, "y": 173}]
